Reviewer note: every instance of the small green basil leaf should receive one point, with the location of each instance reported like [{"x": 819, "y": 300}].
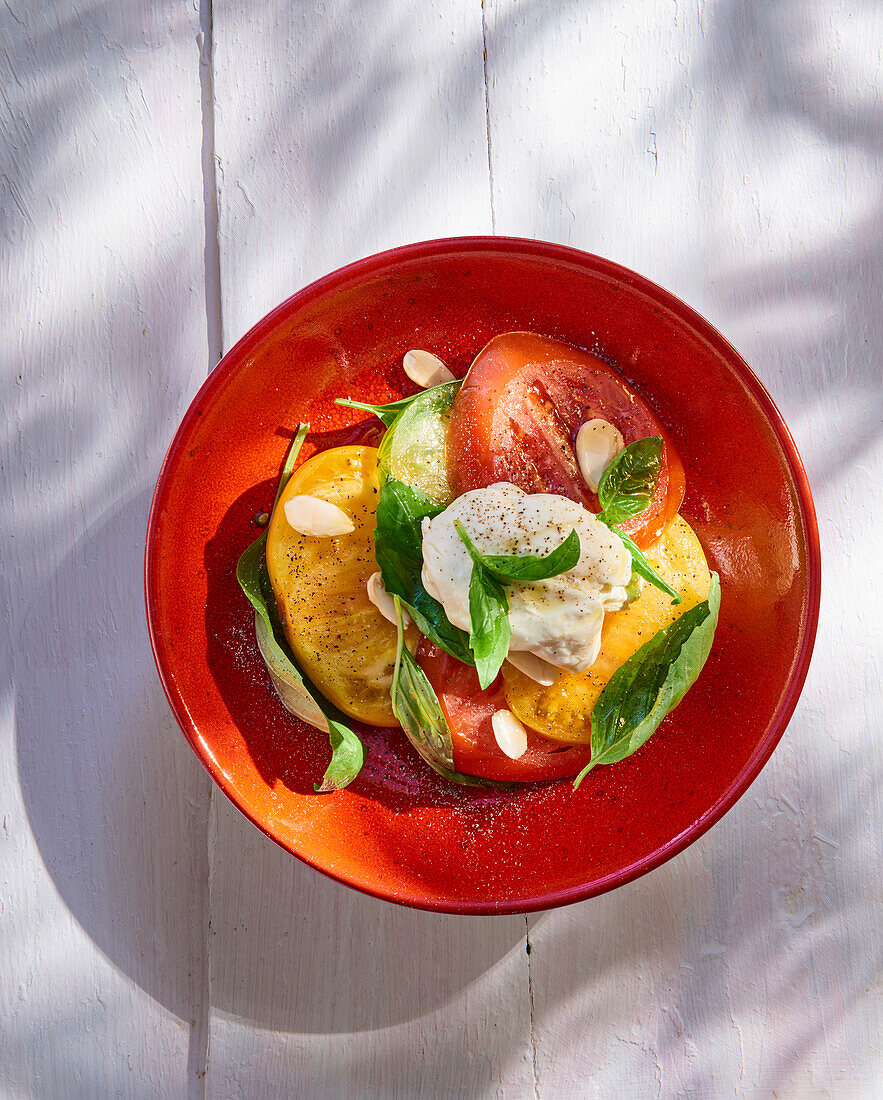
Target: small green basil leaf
[
  {"x": 347, "y": 751},
  {"x": 489, "y": 629},
  {"x": 651, "y": 683},
  {"x": 347, "y": 757},
  {"x": 523, "y": 568},
  {"x": 398, "y": 548},
  {"x": 419, "y": 712},
  {"x": 627, "y": 485},
  {"x": 643, "y": 568},
  {"x": 398, "y": 537},
  {"x": 387, "y": 413}
]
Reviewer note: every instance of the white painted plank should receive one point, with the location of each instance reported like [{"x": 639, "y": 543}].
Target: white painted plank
[
  {"x": 103, "y": 338},
  {"x": 732, "y": 153},
  {"x": 341, "y": 130},
  {"x": 317, "y": 990}
]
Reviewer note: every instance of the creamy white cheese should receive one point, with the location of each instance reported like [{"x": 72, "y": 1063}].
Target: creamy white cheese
[{"x": 559, "y": 619}]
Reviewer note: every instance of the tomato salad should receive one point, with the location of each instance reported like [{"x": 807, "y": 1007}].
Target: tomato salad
[{"x": 506, "y": 576}]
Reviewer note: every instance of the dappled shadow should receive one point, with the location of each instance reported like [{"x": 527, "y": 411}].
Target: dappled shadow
[
  {"x": 103, "y": 772},
  {"x": 356, "y": 134},
  {"x": 106, "y": 778},
  {"x": 807, "y": 312},
  {"x": 790, "y": 951},
  {"x": 748, "y": 957},
  {"x": 103, "y": 323},
  {"x": 752, "y": 931}
]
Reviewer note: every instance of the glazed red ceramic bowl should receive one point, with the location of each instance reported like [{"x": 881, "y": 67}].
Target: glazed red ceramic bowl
[{"x": 400, "y": 831}]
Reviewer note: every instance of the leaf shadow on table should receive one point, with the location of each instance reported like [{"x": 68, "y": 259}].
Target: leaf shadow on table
[
  {"x": 811, "y": 313},
  {"x": 755, "y": 930},
  {"x": 108, "y": 784},
  {"x": 781, "y": 116},
  {"x": 751, "y": 956},
  {"x": 367, "y": 143}
]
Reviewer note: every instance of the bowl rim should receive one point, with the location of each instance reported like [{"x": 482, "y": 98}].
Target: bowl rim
[{"x": 691, "y": 319}]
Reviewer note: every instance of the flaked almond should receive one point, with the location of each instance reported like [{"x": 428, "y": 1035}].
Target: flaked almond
[
  {"x": 425, "y": 369},
  {"x": 314, "y": 516},
  {"x": 540, "y": 671},
  {"x": 509, "y": 734},
  {"x": 597, "y": 443},
  {"x": 382, "y": 600}
]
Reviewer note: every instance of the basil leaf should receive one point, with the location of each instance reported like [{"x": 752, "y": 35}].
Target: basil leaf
[
  {"x": 419, "y": 712},
  {"x": 642, "y": 567},
  {"x": 633, "y": 588},
  {"x": 519, "y": 568},
  {"x": 398, "y": 537},
  {"x": 627, "y": 485},
  {"x": 430, "y": 619},
  {"x": 288, "y": 466},
  {"x": 416, "y": 706},
  {"x": 347, "y": 751},
  {"x": 489, "y": 629},
  {"x": 387, "y": 413},
  {"x": 398, "y": 548},
  {"x": 347, "y": 757},
  {"x": 651, "y": 683}
]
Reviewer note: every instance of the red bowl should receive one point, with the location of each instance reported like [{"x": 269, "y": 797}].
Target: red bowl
[{"x": 400, "y": 831}]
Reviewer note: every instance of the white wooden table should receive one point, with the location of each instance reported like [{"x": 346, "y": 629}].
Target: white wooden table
[{"x": 170, "y": 172}]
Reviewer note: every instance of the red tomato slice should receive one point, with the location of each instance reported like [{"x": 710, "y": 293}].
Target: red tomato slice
[
  {"x": 519, "y": 409},
  {"x": 468, "y": 711}
]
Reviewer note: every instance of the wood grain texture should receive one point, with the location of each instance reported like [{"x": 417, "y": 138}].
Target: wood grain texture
[
  {"x": 342, "y": 130},
  {"x": 731, "y": 151},
  {"x": 104, "y": 809},
  {"x": 317, "y": 990}
]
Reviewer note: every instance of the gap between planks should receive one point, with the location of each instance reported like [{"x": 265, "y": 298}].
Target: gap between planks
[
  {"x": 201, "y": 1038},
  {"x": 198, "y": 1062}
]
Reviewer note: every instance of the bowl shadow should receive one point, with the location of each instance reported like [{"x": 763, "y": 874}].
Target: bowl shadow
[
  {"x": 115, "y": 803},
  {"x": 119, "y": 810}
]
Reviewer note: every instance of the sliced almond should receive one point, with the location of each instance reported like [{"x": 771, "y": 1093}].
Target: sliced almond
[
  {"x": 509, "y": 734},
  {"x": 382, "y": 600},
  {"x": 534, "y": 667},
  {"x": 314, "y": 516},
  {"x": 597, "y": 443},
  {"x": 425, "y": 369}
]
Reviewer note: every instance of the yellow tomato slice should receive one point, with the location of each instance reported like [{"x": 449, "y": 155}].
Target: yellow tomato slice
[
  {"x": 563, "y": 711},
  {"x": 341, "y": 640}
]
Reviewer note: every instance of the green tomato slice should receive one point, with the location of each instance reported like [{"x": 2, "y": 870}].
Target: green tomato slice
[{"x": 415, "y": 449}]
